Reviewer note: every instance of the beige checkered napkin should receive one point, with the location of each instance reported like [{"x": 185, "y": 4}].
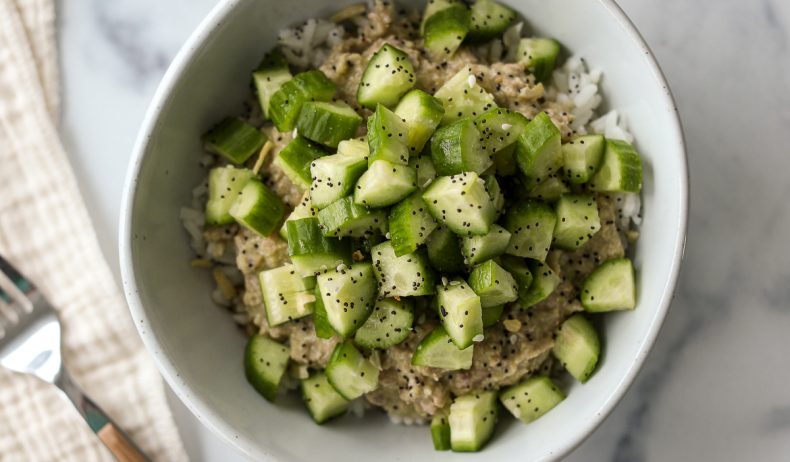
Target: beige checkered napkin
[{"x": 46, "y": 232}]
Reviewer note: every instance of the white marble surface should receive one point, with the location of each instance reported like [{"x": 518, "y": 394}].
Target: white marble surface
[{"x": 716, "y": 385}]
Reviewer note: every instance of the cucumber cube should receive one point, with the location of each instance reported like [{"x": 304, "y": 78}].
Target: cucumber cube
[
  {"x": 234, "y": 139},
  {"x": 389, "y": 324},
  {"x": 446, "y": 30},
  {"x": 577, "y": 347},
  {"x": 388, "y": 75},
  {"x": 610, "y": 287},
  {"x": 581, "y": 157},
  {"x": 577, "y": 220},
  {"x": 549, "y": 189},
  {"x": 322, "y": 327},
  {"x": 492, "y": 315},
  {"x": 426, "y": 171},
  {"x": 286, "y": 103},
  {"x": 499, "y": 128},
  {"x": 410, "y": 224},
  {"x": 539, "y": 149},
  {"x": 405, "y": 276},
  {"x": 265, "y": 362},
  {"x": 321, "y": 399},
  {"x": 531, "y": 224},
  {"x": 434, "y": 6},
  {"x": 495, "y": 193},
  {"x": 462, "y": 97},
  {"x": 257, "y": 208},
  {"x": 387, "y": 137},
  {"x": 544, "y": 282},
  {"x": 350, "y": 373},
  {"x": 489, "y": 20},
  {"x": 456, "y": 149},
  {"x": 286, "y": 294},
  {"x": 335, "y": 176},
  {"x": 472, "y": 421},
  {"x": 422, "y": 113},
  {"x": 385, "y": 183},
  {"x": 440, "y": 432},
  {"x": 304, "y": 209},
  {"x": 327, "y": 123},
  {"x": 311, "y": 252},
  {"x": 460, "y": 312},
  {"x": 444, "y": 252},
  {"x": 539, "y": 56},
  {"x": 476, "y": 249},
  {"x": 224, "y": 186},
  {"x": 493, "y": 284},
  {"x": 532, "y": 398},
  {"x": 295, "y": 160},
  {"x": 620, "y": 169},
  {"x": 518, "y": 268},
  {"x": 348, "y": 295},
  {"x": 344, "y": 218},
  {"x": 271, "y": 74},
  {"x": 461, "y": 203},
  {"x": 438, "y": 350}
]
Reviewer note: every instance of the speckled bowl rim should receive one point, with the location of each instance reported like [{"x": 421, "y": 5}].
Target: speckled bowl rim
[{"x": 198, "y": 406}]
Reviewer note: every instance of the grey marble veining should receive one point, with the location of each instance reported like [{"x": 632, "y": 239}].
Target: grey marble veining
[{"x": 716, "y": 385}]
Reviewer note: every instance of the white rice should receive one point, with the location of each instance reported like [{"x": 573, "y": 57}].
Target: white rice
[
  {"x": 401, "y": 420},
  {"x": 193, "y": 221},
  {"x": 308, "y": 45},
  {"x": 628, "y": 207}
]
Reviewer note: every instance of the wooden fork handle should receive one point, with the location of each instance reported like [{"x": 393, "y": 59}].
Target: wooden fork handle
[{"x": 120, "y": 446}]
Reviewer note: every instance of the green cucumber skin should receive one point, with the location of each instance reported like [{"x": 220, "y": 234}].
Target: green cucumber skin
[
  {"x": 532, "y": 398},
  {"x": 544, "y": 282},
  {"x": 399, "y": 315},
  {"x": 440, "y": 432},
  {"x": 493, "y": 284},
  {"x": 524, "y": 220},
  {"x": 286, "y": 103},
  {"x": 220, "y": 200},
  {"x": 432, "y": 7},
  {"x": 295, "y": 160},
  {"x": 495, "y": 193},
  {"x": 344, "y": 218},
  {"x": 444, "y": 252},
  {"x": 539, "y": 149},
  {"x": 310, "y": 250},
  {"x": 494, "y": 130},
  {"x": 477, "y": 410},
  {"x": 422, "y": 114},
  {"x": 265, "y": 215},
  {"x": 327, "y": 123},
  {"x": 234, "y": 139},
  {"x": 387, "y": 137},
  {"x": 577, "y": 347},
  {"x": 445, "y": 30},
  {"x": 519, "y": 269},
  {"x": 274, "y": 60},
  {"x": 267, "y": 82},
  {"x": 577, "y": 221},
  {"x": 438, "y": 350},
  {"x": 620, "y": 169},
  {"x": 410, "y": 224},
  {"x": 550, "y": 189},
  {"x": 344, "y": 355},
  {"x": 322, "y": 327},
  {"x": 255, "y": 364},
  {"x": 388, "y": 75},
  {"x": 582, "y": 156},
  {"x": 598, "y": 294},
  {"x": 318, "y": 383},
  {"x": 455, "y": 149},
  {"x": 539, "y": 56},
  {"x": 492, "y": 315},
  {"x": 488, "y": 20}
]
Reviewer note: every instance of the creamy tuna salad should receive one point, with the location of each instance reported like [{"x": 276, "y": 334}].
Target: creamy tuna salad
[{"x": 422, "y": 213}]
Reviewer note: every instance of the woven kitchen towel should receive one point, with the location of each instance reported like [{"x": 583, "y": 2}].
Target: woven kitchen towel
[{"x": 46, "y": 232}]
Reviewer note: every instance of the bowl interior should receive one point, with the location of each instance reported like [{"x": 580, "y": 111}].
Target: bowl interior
[{"x": 198, "y": 347}]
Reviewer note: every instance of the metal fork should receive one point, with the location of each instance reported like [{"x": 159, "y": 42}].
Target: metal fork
[{"x": 30, "y": 344}]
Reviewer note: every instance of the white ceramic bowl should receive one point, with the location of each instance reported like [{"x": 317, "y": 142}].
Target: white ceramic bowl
[{"x": 199, "y": 349}]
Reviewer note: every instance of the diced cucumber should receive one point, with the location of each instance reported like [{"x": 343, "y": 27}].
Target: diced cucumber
[
  {"x": 265, "y": 362},
  {"x": 495, "y": 193},
  {"x": 385, "y": 183},
  {"x": 499, "y": 128},
  {"x": 549, "y": 189},
  {"x": 489, "y": 20},
  {"x": 365, "y": 244},
  {"x": 532, "y": 398},
  {"x": 271, "y": 74},
  {"x": 505, "y": 161},
  {"x": 327, "y": 123},
  {"x": 234, "y": 139},
  {"x": 224, "y": 186},
  {"x": 577, "y": 347},
  {"x": 438, "y": 350},
  {"x": 286, "y": 103},
  {"x": 295, "y": 160},
  {"x": 460, "y": 312},
  {"x": 426, "y": 172},
  {"x": 388, "y": 75},
  {"x": 518, "y": 268},
  {"x": 410, "y": 224},
  {"x": 446, "y": 30},
  {"x": 462, "y": 97},
  {"x": 303, "y": 209},
  {"x": 286, "y": 294},
  {"x": 404, "y": 276},
  {"x": 344, "y": 218},
  {"x": 577, "y": 220},
  {"x": 581, "y": 157},
  {"x": 544, "y": 282},
  {"x": 335, "y": 176},
  {"x": 492, "y": 315},
  {"x": 444, "y": 252},
  {"x": 476, "y": 249},
  {"x": 610, "y": 287},
  {"x": 257, "y": 208},
  {"x": 493, "y": 284},
  {"x": 387, "y": 137},
  {"x": 321, "y": 399},
  {"x": 539, "y": 149},
  {"x": 422, "y": 113},
  {"x": 350, "y": 373},
  {"x": 322, "y": 327},
  {"x": 538, "y": 56},
  {"x": 472, "y": 420},
  {"x": 348, "y": 295},
  {"x": 388, "y": 324},
  {"x": 455, "y": 149},
  {"x": 440, "y": 432},
  {"x": 461, "y": 203},
  {"x": 435, "y": 6},
  {"x": 311, "y": 252},
  {"x": 620, "y": 169},
  {"x": 531, "y": 224}
]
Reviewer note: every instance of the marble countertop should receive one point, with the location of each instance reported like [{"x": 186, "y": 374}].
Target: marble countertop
[{"x": 716, "y": 385}]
